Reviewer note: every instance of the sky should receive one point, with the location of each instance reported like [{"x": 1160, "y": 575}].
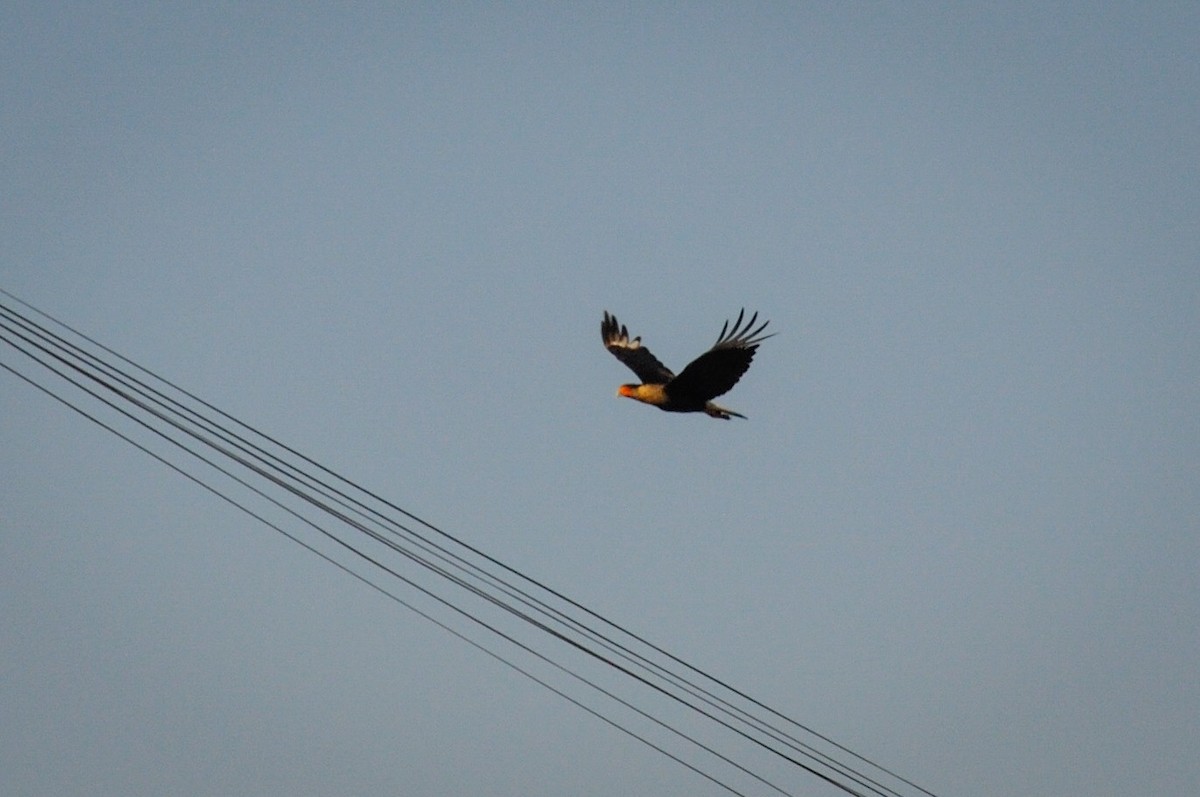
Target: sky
[{"x": 958, "y": 532}]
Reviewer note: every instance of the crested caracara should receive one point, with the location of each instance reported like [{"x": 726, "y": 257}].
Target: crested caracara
[{"x": 706, "y": 377}]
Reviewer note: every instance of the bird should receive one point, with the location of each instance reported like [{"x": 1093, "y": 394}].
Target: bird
[{"x": 710, "y": 375}]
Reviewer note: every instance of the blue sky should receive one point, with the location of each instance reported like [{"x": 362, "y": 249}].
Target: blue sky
[{"x": 958, "y": 531}]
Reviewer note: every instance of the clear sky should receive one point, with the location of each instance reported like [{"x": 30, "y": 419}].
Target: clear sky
[{"x": 960, "y": 531}]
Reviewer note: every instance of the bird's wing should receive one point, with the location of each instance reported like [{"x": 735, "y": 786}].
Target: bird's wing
[
  {"x": 718, "y": 369},
  {"x": 631, "y": 352}
]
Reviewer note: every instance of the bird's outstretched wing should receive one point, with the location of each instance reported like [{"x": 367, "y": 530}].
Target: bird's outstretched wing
[
  {"x": 718, "y": 369},
  {"x": 632, "y": 353}
]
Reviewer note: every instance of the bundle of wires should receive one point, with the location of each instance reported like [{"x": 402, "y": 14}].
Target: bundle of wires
[{"x": 736, "y": 742}]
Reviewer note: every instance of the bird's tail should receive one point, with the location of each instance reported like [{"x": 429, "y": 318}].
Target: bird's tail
[{"x": 717, "y": 411}]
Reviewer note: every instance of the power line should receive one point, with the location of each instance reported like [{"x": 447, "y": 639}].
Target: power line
[{"x": 278, "y": 474}]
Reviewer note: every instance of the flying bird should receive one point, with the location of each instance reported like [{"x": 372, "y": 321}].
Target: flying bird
[{"x": 706, "y": 377}]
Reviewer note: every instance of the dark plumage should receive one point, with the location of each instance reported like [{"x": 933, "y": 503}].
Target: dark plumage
[{"x": 710, "y": 375}]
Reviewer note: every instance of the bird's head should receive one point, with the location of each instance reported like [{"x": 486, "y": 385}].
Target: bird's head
[{"x": 647, "y": 394}]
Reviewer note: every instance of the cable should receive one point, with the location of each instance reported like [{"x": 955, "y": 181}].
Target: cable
[
  {"x": 721, "y": 704},
  {"x": 477, "y": 574}
]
